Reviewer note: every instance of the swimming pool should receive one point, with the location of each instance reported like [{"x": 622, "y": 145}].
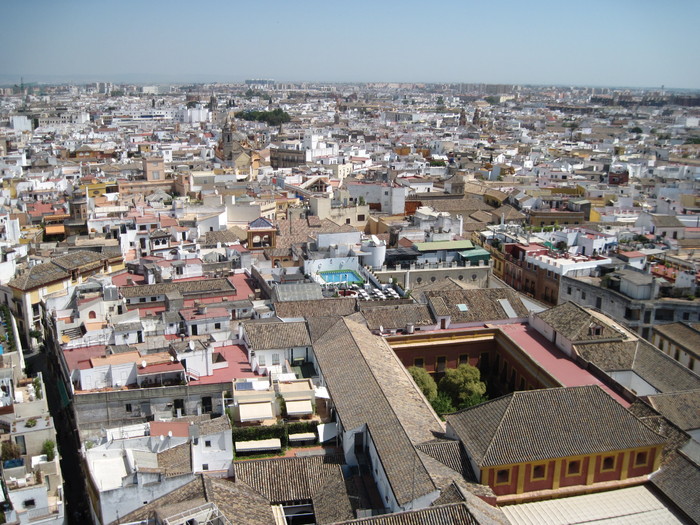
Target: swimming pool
[{"x": 341, "y": 276}]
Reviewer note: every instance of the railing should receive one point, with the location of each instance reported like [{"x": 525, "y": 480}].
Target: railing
[{"x": 43, "y": 512}]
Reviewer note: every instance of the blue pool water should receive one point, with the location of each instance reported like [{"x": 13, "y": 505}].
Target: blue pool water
[{"x": 341, "y": 276}]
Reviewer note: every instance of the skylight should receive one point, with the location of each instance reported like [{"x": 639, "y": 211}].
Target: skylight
[{"x": 462, "y": 307}]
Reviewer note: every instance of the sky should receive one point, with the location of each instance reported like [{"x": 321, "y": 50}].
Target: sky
[{"x": 635, "y": 43}]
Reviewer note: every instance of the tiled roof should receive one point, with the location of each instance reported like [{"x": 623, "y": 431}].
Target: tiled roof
[
  {"x": 662, "y": 371},
  {"x": 78, "y": 259},
  {"x": 682, "y": 334},
  {"x": 282, "y": 480},
  {"x": 679, "y": 480},
  {"x": 398, "y": 316},
  {"x": 270, "y": 336},
  {"x": 359, "y": 400},
  {"x": 455, "y": 514},
  {"x": 339, "y": 306},
  {"x": 214, "y": 426},
  {"x": 451, "y": 454},
  {"x": 224, "y": 237},
  {"x": 37, "y": 276},
  {"x": 574, "y": 323},
  {"x": 176, "y": 460},
  {"x": 478, "y": 305},
  {"x": 681, "y": 408},
  {"x": 666, "y": 221},
  {"x": 184, "y": 287},
  {"x": 237, "y": 501},
  {"x": 536, "y": 425}
]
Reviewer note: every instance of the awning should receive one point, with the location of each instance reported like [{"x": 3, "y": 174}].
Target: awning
[
  {"x": 303, "y": 436},
  {"x": 322, "y": 392},
  {"x": 327, "y": 432},
  {"x": 299, "y": 408},
  {"x": 255, "y": 411},
  {"x": 55, "y": 229},
  {"x": 258, "y": 445}
]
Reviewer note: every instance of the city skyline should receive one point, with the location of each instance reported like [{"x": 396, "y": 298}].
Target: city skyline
[{"x": 627, "y": 44}]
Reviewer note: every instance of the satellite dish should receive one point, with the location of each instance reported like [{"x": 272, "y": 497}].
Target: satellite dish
[{"x": 143, "y": 364}]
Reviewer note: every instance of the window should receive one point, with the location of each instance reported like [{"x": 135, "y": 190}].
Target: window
[
  {"x": 686, "y": 316},
  {"x": 419, "y": 362},
  {"x": 539, "y": 472},
  {"x": 361, "y": 217},
  {"x": 154, "y": 298},
  {"x": 583, "y": 295},
  {"x": 205, "y": 466},
  {"x": 568, "y": 290},
  {"x": 261, "y": 359},
  {"x": 142, "y": 299},
  {"x": 573, "y": 468},
  {"x": 29, "y": 503},
  {"x": 128, "y": 407},
  {"x": 502, "y": 476},
  {"x": 641, "y": 459},
  {"x": 440, "y": 364},
  {"x": 207, "y": 443},
  {"x": 464, "y": 359},
  {"x": 275, "y": 359},
  {"x": 217, "y": 326},
  {"x": 608, "y": 464},
  {"x": 347, "y": 221}
]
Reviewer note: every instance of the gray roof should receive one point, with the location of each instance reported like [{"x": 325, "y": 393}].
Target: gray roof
[
  {"x": 397, "y": 317},
  {"x": 454, "y": 514},
  {"x": 658, "y": 369},
  {"x": 37, "y": 276},
  {"x": 359, "y": 400},
  {"x": 237, "y": 501},
  {"x": 479, "y": 305},
  {"x": 681, "y": 408},
  {"x": 574, "y": 323},
  {"x": 297, "y": 292},
  {"x": 78, "y": 259},
  {"x": 184, "y": 287},
  {"x": 682, "y": 334},
  {"x": 274, "y": 335},
  {"x": 283, "y": 480},
  {"x": 449, "y": 453},
  {"x": 535, "y": 425},
  {"x": 666, "y": 221},
  {"x": 679, "y": 480}
]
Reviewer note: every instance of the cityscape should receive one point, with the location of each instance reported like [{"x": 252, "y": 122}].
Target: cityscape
[{"x": 467, "y": 295}]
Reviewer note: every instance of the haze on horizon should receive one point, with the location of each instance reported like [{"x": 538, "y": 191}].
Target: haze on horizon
[{"x": 635, "y": 43}]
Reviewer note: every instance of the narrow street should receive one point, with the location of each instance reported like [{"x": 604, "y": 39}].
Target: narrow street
[{"x": 76, "y": 510}]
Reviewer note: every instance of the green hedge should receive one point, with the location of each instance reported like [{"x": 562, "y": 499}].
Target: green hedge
[
  {"x": 301, "y": 427},
  {"x": 261, "y": 432},
  {"x": 280, "y": 432}
]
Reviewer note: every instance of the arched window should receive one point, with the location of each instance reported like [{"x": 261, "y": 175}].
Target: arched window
[{"x": 92, "y": 314}]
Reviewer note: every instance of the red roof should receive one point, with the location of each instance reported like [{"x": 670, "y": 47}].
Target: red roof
[
  {"x": 79, "y": 358},
  {"x": 192, "y": 314},
  {"x": 160, "y": 368},
  {"x": 163, "y": 428}
]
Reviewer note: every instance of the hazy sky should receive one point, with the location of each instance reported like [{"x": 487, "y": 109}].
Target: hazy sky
[{"x": 589, "y": 42}]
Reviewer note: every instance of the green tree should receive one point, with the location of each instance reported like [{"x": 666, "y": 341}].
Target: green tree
[
  {"x": 49, "y": 448},
  {"x": 442, "y": 404},
  {"x": 10, "y": 450},
  {"x": 424, "y": 381},
  {"x": 463, "y": 386},
  {"x": 636, "y": 129}
]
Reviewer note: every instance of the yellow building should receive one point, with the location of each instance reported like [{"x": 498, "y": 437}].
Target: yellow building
[{"x": 32, "y": 285}]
